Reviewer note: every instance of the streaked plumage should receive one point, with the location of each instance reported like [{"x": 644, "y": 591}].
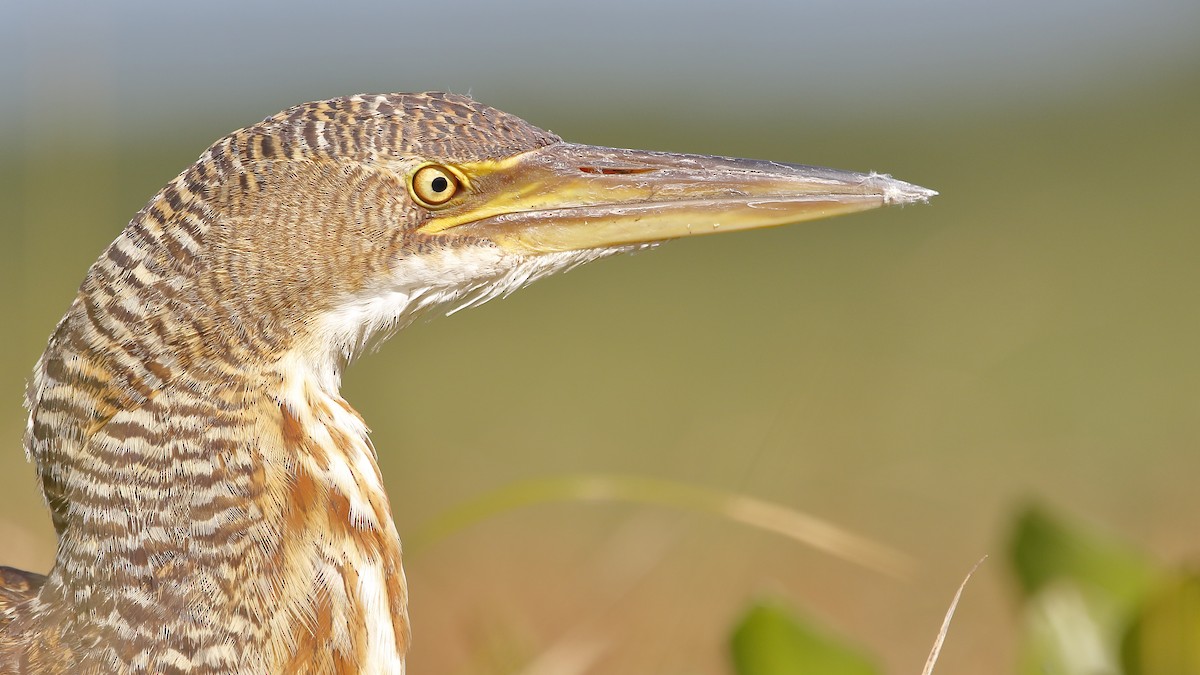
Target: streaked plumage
[{"x": 218, "y": 504}]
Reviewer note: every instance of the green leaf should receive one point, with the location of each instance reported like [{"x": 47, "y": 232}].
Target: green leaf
[
  {"x": 1080, "y": 590},
  {"x": 1045, "y": 550},
  {"x": 1068, "y": 633},
  {"x": 770, "y": 640},
  {"x": 1165, "y": 634}
]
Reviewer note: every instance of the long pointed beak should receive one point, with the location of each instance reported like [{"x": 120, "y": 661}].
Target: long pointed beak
[{"x": 567, "y": 197}]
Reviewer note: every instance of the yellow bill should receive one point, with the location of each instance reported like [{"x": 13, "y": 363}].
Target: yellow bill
[{"x": 569, "y": 197}]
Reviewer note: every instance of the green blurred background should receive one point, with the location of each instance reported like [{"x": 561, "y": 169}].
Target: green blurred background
[{"x": 912, "y": 374}]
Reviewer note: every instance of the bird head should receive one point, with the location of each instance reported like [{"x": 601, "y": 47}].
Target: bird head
[
  {"x": 206, "y": 480},
  {"x": 334, "y": 221}
]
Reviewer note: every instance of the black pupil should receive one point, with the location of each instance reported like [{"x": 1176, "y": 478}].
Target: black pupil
[{"x": 439, "y": 184}]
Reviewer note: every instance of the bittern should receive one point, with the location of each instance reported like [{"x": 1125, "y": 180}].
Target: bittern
[{"x": 218, "y": 504}]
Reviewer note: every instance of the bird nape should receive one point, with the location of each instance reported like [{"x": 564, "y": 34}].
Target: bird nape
[{"x": 217, "y": 503}]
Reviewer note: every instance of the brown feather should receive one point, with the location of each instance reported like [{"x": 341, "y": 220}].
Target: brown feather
[{"x": 218, "y": 505}]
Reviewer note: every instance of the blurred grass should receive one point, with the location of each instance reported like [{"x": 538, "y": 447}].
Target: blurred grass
[
  {"x": 733, "y": 507},
  {"x": 909, "y": 374}
]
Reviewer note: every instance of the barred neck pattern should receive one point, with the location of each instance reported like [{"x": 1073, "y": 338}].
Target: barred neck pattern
[{"x": 218, "y": 505}]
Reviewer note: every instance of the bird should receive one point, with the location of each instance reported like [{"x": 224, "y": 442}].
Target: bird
[{"x": 218, "y": 504}]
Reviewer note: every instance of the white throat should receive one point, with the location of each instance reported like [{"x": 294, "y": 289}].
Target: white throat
[{"x": 452, "y": 278}]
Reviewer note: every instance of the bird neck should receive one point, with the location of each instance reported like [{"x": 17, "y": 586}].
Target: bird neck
[{"x": 241, "y": 508}]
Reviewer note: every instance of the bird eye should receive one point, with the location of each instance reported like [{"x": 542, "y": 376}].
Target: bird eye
[{"x": 434, "y": 185}]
